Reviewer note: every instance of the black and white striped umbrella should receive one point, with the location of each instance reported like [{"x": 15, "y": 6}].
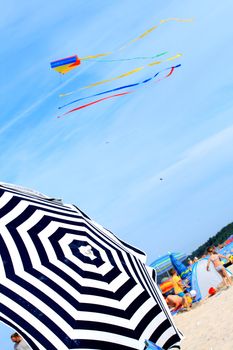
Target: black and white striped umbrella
[{"x": 68, "y": 283}]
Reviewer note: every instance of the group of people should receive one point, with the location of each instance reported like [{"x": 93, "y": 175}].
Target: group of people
[
  {"x": 181, "y": 298},
  {"x": 191, "y": 262}
]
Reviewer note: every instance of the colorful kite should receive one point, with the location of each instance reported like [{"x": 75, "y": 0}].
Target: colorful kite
[{"x": 65, "y": 65}]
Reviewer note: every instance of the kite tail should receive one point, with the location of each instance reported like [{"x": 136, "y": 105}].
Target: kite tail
[{"x": 94, "y": 102}]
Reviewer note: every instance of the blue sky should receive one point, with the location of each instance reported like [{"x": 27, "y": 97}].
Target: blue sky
[{"x": 108, "y": 159}]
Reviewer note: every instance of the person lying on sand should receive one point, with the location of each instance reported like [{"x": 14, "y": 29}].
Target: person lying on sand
[{"x": 174, "y": 302}]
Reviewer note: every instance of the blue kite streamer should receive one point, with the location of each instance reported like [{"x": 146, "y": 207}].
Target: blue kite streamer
[{"x": 121, "y": 87}]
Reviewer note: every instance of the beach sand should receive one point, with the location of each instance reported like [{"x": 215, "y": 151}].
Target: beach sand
[{"x": 208, "y": 326}]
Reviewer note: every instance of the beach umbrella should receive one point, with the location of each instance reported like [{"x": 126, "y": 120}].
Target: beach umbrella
[
  {"x": 164, "y": 264},
  {"x": 68, "y": 283},
  {"x": 182, "y": 270}
]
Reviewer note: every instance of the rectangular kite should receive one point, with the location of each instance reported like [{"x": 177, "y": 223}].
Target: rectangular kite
[{"x": 65, "y": 65}]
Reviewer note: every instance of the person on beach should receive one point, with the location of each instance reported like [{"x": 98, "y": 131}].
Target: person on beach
[
  {"x": 214, "y": 257},
  {"x": 190, "y": 262},
  {"x": 20, "y": 343},
  {"x": 179, "y": 288},
  {"x": 174, "y": 302}
]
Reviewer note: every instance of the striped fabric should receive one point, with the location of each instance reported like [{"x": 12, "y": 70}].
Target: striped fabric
[{"x": 68, "y": 283}]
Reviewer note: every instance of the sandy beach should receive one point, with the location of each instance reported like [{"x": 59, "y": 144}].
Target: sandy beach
[{"x": 208, "y": 326}]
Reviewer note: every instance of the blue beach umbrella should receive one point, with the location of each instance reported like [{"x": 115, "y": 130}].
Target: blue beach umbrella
[
  {"x": 182, "y": 270},
  {"x": 164, "y": 264}
]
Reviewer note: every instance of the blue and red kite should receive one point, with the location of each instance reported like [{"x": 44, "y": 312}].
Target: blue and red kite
[{"x": 65, "y": 65}]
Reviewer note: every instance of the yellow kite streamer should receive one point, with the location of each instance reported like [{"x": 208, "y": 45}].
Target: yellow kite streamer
[
  {"x": 143, "y": 35},
  {"x": 176, "y": 19},
  {"x": 95, "y": 56},
  {"x": 122, "y": 75},
  {"x": 115, "y": 78},
  {"x": 162, "y": 21},
  {"x": 139, "y": 37}
]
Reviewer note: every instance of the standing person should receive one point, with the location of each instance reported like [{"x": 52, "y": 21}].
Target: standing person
[
  {"x": 190, "y": 263},
  {"x": 20, "y": 343},
  {"x": 214, "y": 257},
  {"x": 178, "y": 288}
]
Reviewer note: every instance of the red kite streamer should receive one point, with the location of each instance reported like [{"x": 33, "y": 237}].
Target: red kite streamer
[
  {"x": 116, "y": 95},
  {"x": 124, "y": 86},
  {"x": 94, "y": 102}
]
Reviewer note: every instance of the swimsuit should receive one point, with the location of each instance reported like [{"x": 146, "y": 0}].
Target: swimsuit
[
  {"x": 219, "y": 268},
  {"x": 214, "y": 259}
]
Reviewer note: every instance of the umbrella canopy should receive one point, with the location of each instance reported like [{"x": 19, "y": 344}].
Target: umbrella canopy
[
  {"x": 68, "y": 283},
  {"x": 164, "y": 264},
  {"x": 182, "y": 270}
]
